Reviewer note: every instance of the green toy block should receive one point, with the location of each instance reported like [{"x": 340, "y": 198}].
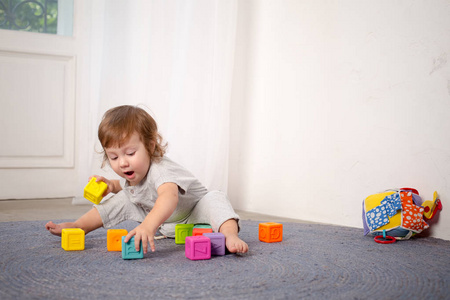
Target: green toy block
[{"x": 181, "y": 232}]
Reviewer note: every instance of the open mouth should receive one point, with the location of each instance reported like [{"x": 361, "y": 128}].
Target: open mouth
[{"x": 129, "y": 173}]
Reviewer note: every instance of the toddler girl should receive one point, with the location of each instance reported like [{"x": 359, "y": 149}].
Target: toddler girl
[{"x": 158, "y": 193}]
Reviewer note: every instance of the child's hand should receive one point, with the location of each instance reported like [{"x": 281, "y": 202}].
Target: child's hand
[
  {"x": 144, "y": 234},
  {"x": 108, "y": 182},
  {"x": 164, "y": 206}
]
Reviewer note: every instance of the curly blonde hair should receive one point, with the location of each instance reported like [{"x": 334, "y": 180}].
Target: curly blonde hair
[{"x": 119, "y": 123}]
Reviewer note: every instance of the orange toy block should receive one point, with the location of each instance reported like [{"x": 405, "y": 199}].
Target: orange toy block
[
  {"x": 114, "y": 239},
  {"x": 201, "y": 231},
  {"x": 270, "y": 232}
]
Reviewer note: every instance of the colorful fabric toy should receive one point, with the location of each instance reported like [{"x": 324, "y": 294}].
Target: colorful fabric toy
[{"x": 398, "y": 213}]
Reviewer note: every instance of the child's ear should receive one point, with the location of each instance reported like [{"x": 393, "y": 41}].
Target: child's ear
[{"x": 152, "y": 147}]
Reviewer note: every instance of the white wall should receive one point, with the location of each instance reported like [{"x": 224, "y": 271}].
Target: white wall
[{"x": 337, "y": 100}]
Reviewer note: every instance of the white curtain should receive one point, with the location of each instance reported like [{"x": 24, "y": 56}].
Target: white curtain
[{"x": 176, "y": 59}]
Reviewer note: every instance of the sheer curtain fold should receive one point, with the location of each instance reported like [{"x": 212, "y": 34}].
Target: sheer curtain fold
[{"x": 175, "y": 58}]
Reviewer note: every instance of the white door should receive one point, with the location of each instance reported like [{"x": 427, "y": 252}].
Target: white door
[{"x": 41, "y": 110}]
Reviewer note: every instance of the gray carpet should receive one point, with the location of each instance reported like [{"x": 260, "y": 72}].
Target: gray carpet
[{"x": 313, "y": 261}]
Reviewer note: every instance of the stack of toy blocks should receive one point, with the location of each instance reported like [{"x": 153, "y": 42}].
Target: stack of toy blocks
[
  {"x": 114, "y": 239},
  {"x": 199, "y": 230},
  {"x": 94, "y": 190},
  {"x": 129, "y": 250},
  {"x": 201, "y": 242},
  {"x": 270, "y": 232},
  {"x": 72, "y": 239}
]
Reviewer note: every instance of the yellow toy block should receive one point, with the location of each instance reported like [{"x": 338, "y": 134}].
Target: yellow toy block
[
  {"x": 94, "y": 190},
  {"x": 114, "y": 239},
  {"x": 72, "y": 239}
]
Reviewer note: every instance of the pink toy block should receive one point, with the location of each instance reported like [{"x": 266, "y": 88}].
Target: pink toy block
[
  {"x": 217, "y": 243},
  {"x": 198, "y": 247}
]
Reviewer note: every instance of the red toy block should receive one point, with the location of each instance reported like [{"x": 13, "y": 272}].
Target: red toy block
[
  {"x": 201, "y": 231},
  {"x": 270, "y": 232}
]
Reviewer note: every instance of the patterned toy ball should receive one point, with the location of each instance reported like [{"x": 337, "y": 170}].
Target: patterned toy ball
[{"x": 397, "y": 213}]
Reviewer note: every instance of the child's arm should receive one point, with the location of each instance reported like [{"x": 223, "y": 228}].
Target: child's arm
[
  {"x": 113, "y": 185},
  {"x": 164, "y": 207}
]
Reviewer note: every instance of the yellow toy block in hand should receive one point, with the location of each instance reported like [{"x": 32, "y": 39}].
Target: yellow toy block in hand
[
  {"x": 94, "y": 190},
  {"x": 72, "y": 239}
]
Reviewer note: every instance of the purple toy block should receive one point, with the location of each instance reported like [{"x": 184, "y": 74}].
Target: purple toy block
[
  {"x": 217, "y": 243},
  {"x": 198, "y": 247}
]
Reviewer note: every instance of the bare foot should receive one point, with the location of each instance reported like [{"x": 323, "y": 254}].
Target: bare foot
[
  {"x": 230, "y": 230},
  {"x": 235, "y": 244},
  {"x": 56, "y": 229}
]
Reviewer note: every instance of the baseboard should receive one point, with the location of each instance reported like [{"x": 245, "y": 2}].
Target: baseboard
[{"x": 80, "y": 201}]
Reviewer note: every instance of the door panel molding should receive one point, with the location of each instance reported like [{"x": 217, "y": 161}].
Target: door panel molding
[{"x": 37, "y": 93}]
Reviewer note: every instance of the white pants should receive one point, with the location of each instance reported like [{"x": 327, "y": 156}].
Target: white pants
[{"x": 214, "y": 209}]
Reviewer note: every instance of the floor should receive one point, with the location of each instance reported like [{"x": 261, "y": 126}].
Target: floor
[{"x": 57, "y": 209}]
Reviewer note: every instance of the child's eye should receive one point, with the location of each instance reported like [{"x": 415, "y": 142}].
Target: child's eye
[
  {"x": 113, "y": 158},
  {"x": 132, "y": 153}
]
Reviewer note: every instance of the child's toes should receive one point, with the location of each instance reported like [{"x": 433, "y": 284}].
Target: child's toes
[
  {"x": 232, "y": 249},
  {"x": 242, "y": 248},
  {"x": 49, "y": 225}
]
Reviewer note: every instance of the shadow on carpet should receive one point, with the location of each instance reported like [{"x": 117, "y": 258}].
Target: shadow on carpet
[{"x": 312, "y": 261}]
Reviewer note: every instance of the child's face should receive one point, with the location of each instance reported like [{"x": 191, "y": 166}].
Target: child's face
[{"x": 131, "y": 161}]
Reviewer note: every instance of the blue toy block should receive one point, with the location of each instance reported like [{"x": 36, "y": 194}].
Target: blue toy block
[
  {"x": 217, "y": 243},
  {"x": 202, "y": 226},
  {"x": 129, "y": 250}
]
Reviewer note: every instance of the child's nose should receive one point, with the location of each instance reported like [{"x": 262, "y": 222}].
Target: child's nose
[{"x": 123, "y": 162}]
